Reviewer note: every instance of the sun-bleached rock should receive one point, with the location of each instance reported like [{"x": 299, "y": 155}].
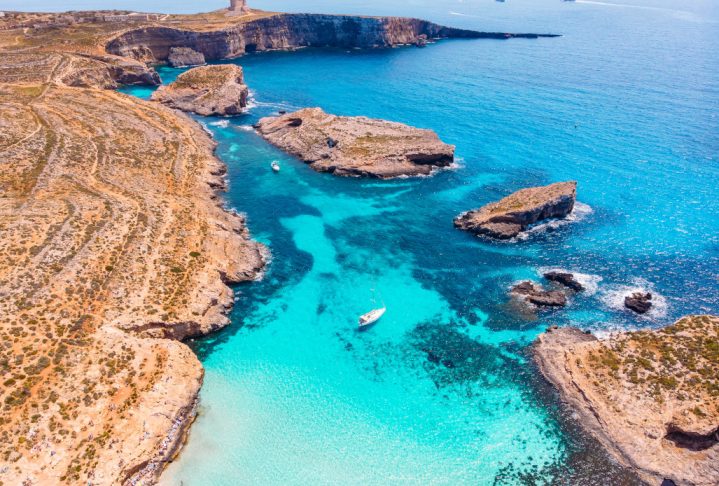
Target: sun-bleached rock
[
  {"x": 510, "y": 216},
  {"x": 650, "y": 397},
  {"x": 206, "y": 90},
  {"x": 356, "y": 146}
]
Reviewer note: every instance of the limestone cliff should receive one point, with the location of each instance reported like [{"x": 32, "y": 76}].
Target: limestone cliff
[{"x": 287, "y": 31}]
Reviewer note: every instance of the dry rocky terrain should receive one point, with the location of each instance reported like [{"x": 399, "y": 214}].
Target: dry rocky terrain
[
  {"x": 356, "y": 146},
  {"x": 207, "y": 90},
  {"x": 112, "y": 239},
  {"x": 513, "y": 214},
  {"x": 650, "y": 397}
]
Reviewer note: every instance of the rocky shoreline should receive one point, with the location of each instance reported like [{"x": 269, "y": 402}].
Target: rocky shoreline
[
  {"x": 153, "y": 43},
  {"x": 650, "y": 397},
  {"x": 117, "y": 247}
]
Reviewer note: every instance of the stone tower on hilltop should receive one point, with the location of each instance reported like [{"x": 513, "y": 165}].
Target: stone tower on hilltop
[{"x": 239, "y": 6}]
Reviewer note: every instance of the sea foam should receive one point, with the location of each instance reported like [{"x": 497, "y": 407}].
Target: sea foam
[{"x": 613, "y": 297}]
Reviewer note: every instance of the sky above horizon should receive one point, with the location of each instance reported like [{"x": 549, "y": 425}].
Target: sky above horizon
[{"x": 329, "y": 6}]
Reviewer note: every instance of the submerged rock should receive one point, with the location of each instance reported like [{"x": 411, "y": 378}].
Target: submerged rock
[
  {"x": 564, "y": 278},
  {"x": 649, "y": 397},
  {"x": 356, "y": 146},
  {"x": 639, "y": 302},
  {"x": 206, "y": 90},
  {"x": 185, "y": 56},
  {"x": 537, "y": 295},
  {"x": 515, "y": 213}
]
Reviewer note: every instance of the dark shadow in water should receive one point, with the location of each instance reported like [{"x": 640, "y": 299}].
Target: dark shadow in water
[
  {"x": 586, "y": 463},
  {"x": 451, "y": 357}
]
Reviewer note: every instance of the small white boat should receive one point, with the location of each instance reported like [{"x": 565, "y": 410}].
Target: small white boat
[
  {"x": 371, "y": 317},
  {"x": 275, "y": 166}
]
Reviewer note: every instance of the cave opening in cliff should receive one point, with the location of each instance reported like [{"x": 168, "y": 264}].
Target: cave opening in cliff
[{"x": 693, "y": 442}]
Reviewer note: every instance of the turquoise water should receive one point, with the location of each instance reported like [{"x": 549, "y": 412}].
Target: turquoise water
[{"x": 442, "y": 390}]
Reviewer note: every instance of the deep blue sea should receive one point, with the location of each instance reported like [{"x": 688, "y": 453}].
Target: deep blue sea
[{"x": 626, "y": 103}]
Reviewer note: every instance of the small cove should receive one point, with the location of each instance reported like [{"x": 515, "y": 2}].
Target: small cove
[{"x": 294, "y": 395}]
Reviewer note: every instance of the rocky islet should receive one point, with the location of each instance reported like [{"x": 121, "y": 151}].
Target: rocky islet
[
  {"x": 538, "y": 295},
  {"x": 184, "y": 57},
  {"x": 217, "y": 90},
  {"x": 356, "y": 146},
  {"x": 510, "y": 216}
]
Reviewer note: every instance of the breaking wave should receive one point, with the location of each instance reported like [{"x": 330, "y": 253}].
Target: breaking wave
[
  {"x": 220, "y": 123},
  {"x": 580, "y": 212}
]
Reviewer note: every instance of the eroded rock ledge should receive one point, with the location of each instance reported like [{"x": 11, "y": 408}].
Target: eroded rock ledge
[
  {"x": 206, "y": 90},
  {"x": 356, "y": 146},
  {"x": 650, "y": 397},
  {"x": 510, "y": 216}
]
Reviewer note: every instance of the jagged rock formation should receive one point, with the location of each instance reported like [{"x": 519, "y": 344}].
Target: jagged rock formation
[
  {"x": 564, "y": 278},
  {"x": 356, "y": 146},
  {"x": 184, "y": 56},
  {"x": 287, "y": 31},
  {"x": 87, "y": 71},
  {"x": 639, "y": 302},
  {"x": 650, "y": 397},
  {"x": 535, "y": 294},
  {"x": 206, "y": 90},
  {"x": 510, "y": 216}
]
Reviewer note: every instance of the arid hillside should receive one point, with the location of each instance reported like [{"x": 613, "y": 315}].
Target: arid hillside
[{"x": 111, "y": 239}]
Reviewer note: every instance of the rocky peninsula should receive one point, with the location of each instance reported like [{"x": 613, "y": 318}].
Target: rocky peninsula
[
  {"x": 356, "y": 146},
  {"x": 207, "y": 90},
  {"x": 512, "y": 215},
  {"x": 650, "y": 397},
  {"x": 222, "y": 37}
]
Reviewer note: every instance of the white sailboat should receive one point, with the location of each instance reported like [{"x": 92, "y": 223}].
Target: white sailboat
[{"x": 371, "y": 317}]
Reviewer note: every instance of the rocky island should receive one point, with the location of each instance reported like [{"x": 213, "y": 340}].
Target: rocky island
[
  {"x": 650, "y": 397},
  {"x": 356, "y": 146},
  {"x": 512, "y": 215},
  {"x": 206, "y": 90}
]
